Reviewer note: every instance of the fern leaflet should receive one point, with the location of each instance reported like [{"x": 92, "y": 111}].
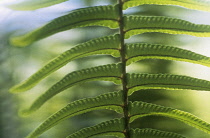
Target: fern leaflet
[
  {"x": 34, "y": 4},
  {"x": 104, "y": 45},
  {"x": 113, "y": 127},
  {"x": 111, "y": 101},
  {"x": 153, "y": 133},
  {"x": 87, "y": 16},
  {"x": 140, "y": 109},
  {"x": 191, "y": 4},
  {"x": 140, "y": 51},
  {"x": 164, "y": 81},
  {"x": 106, "y": 72},
  {"x": 142, "y": 24}
]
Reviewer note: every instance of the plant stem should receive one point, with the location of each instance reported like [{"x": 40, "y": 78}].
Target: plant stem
[{"x": 123, "y": 60}]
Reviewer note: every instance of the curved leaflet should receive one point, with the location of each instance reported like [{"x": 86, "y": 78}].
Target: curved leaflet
[
  {"x": 86, "y": 17},
  {"x": 153, "y": 133},
  {"x": 113, "y": 127},
  {"x": 143, "y": 24},
  {"x": 190, "y": 4},
  {"x": 165, "y": 81},
  {"x": 140, "y": 109},
  {"x": 111, "y": 72},
  {"x": 103, "y": 45},
  {"x": 112, "y": 101},
  {"x": 140, "y": 51},
  {"x": 34, "y": 4}
]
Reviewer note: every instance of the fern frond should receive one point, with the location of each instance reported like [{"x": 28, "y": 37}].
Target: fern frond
[
  {"x": 165, "y": 81},
  {"x": 113, "y": 127},
  {"x": 142, "y": 24},
  {"x": 109, "y": 72},
  {"x": 153, "y": 133},
  {"x": 34, "y": 4},
  {"x": 103, "y": 45},
  {"x": 140, "y": 51},
  {"x": 111, "y": 101},
  {"x": 140, "y": 109},
  {"x": 190, "y": 4},
  {"x": 86, "y": 17}
]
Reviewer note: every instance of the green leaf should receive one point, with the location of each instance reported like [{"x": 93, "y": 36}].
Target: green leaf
[
  {"x": 113, "y": 127},
  {"x": 153, "y": 133},
  {"x": 143, "y": 24},
  {"x": 190, "y": 4},
  {"x": 34, "y": 4},
  {"x": 87, "y": 16},
  {"x": 111, "y": 101},
  {"x": 140, "y": 51},
  {"x": 140, "y": 109},
  {"x": 111, "y": 72},
  {"x": 137, "y": 82},
  {"x": 103, "y": 45}
]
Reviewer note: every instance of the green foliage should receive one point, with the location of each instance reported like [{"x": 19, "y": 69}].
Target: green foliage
[
  {"x": 104, "y": 45},
  {"x": 87, "y": 16},
  {"x": 151, "y": 133},
  {"x": 111, "y": 101},
  {"x": 109, "y": 128},
  {"x": 137, "y": 82},
  {"x": 140, "y": 51},
  {"x": 163, "y": 25},
  {"x": 142, "y": 109},
  {"x": 112, "y": 16},
  {"x": 33, "y": 5},
  {"x": 106, "y": 72},
  {"x": 191, "y": 4}
]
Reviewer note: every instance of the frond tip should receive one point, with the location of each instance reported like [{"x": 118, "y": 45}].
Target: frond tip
[
  {"x": 103, "y": 45},
  {"x": 113, "y": 127},
  {"x": 111, "y": 101},
  {"x": 109, "y": 72},
  {"x": 141, "y": 109},
  {"x": 165, "y": 81},
  {"x": 153, "y": 133}
]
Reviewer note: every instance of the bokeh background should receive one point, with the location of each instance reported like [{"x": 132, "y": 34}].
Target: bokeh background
[{"x": 16, "y": 64}]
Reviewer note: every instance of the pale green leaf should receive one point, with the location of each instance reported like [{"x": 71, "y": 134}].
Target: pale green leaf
[
  {"x": 153, "y": 133},
  {"x": 33, "y": 4},
  {"x": 111, "y": 72},
  {"x": 113, "y": 127},
  {"x": 202, "y": 5},
  {"x": 165, "y": 81},
  {"x": 87, "y": 16},
  {"x": 140, "y": 51},
  {"x": 111, "y": 101},
  {"x": 140, "y": 109},
  {"x": 135, "y": 24},
  {"x": 103, "y": 45}
]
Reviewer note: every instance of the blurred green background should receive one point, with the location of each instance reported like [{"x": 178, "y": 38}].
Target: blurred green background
[{"x": 16, "y": 64}]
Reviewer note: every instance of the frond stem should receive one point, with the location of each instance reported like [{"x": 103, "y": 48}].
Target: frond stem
[{"x": 123, "y": 60}]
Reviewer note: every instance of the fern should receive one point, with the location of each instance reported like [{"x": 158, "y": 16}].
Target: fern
[{"x": 112, "y": 16}]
